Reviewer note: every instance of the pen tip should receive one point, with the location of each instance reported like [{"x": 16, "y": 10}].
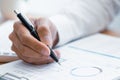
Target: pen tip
[
  {"x": 59, "y": 63},
  {"x": 15, "y": 12}
]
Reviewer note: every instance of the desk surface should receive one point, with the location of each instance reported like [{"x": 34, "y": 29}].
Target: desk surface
[{"x": 111, "y": 33}]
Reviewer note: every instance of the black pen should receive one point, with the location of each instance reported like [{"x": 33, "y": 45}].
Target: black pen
[{"x": 27, "y": 23}]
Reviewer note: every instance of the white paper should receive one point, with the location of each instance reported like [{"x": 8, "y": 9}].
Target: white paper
[
  {"x": 76, "y": 64},
  {"x": 99, "y": 44}
]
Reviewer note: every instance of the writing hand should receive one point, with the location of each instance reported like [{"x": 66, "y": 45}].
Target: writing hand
[{"x": 30, "y": 49}]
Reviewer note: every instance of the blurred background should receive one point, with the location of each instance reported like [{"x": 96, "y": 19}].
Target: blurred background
[
  {"x": 44, "y": 8},
  {"x": 34, "y": 7}
]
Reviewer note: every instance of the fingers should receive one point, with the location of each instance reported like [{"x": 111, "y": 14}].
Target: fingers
[
  {"x": 32, "y": 60},
  {"x": 44, "y": 31},
  {"x": 24, "y": 50},
  {"x": 35, "y": 60},
  {"x": 30, "y": 49},
  {"x": 28, "y": 40}
]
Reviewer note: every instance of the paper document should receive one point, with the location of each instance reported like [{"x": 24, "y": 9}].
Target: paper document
[
  {"x": 99, "y": 44},
  {"x": 76, "y": 64}
]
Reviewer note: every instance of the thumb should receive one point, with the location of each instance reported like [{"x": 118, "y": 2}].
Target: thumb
[{"x": 44, "y": 33}]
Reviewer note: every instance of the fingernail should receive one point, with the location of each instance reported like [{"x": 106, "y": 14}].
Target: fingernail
[
  {"x": 44, "y": 52},
  {"x": 48, "y": 40}
]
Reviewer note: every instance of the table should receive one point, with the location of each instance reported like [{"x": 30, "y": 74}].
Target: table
[{"x": 111, "y": 33}]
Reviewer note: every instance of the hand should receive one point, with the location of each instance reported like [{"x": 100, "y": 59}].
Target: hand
[{"x": 30, "y": 49}]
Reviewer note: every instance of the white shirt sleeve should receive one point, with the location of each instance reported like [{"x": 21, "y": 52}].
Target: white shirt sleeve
[{"x": 84, "y": 17}]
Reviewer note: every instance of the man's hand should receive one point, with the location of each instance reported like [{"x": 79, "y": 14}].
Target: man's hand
[{"x": 30, "y": 49}]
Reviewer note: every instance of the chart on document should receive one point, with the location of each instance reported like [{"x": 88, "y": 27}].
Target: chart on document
[{"x": 76, "y": 64}]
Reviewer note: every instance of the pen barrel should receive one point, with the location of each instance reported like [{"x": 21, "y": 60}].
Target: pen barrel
[
  {"x": 35, "y": 34},
  {"x": 52, "y": 55},
  {"x": 25, "y": 22}
]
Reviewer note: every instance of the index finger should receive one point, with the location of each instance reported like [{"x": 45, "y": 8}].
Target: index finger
[{"x": 28, "y": 40}]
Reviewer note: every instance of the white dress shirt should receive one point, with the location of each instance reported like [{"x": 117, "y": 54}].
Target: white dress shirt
[
  {"x": 84, "y": 17},
  {"x": 76, "y": 18}
]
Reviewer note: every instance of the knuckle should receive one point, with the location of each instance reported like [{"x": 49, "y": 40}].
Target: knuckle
[
  {"x": 15, "y": 25},
  {"x": 24, "y": 39},
  {"x": 11, "y": 36},
  {"x": 43, "y": 28}
]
